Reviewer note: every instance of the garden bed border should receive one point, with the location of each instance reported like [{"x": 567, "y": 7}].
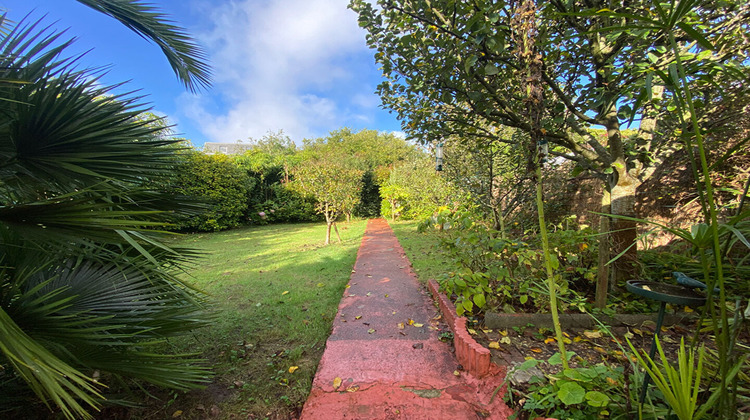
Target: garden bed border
[{"x": 474, "y": 357}]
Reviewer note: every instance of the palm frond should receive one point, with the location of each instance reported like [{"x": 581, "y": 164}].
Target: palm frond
[{"x": 187, "y": 59}]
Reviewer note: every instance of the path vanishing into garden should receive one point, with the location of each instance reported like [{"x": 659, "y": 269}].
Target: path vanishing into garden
[{"x": 384, "y": 358}]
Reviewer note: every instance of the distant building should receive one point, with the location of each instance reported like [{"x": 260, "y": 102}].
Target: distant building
[{"x": 226, "y": 148}]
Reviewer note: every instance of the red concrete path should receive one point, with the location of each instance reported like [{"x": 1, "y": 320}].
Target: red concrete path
[{"x": 384, "y": 371}]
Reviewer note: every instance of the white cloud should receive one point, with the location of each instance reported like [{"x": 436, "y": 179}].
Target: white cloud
[{"x": 291, "y": 65}]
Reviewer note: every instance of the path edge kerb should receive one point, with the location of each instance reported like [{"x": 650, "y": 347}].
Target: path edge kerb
[{"x": 471, "y": 355}]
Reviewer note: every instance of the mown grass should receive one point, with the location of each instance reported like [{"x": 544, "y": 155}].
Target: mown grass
[
  {"x": 274, "y": 292},
  {"x": 428, "y": 259}
]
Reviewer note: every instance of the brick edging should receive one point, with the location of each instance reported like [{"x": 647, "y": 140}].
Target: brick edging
[{"x": 471, "y": 355}]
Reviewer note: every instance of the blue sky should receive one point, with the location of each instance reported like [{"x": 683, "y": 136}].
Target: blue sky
[{"x": 301, "y": 66}]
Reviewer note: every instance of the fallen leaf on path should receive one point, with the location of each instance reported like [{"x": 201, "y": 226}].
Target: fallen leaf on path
[
  {"x": 285, "y": 292},
  {"x": 177, "y": 413},
  {"x": 386, "y": 295},
  {"x": 536, "y": 349},
  {"x": 418, "y": 325},
  {"x": 505, "y": 340},
  {"x": 411, "y": 321},
  {"x": 503, "y": 332},
  {"x": 293, "y": 368},
  {"x": 433, "y": 328},
  {"x": 457, "y": 373},
  {"x": 494, "y": 345},
  {"x": 370, "y": 331},
  {"x": 401, "y": 326},
  {"x": 549, "y": 340},
  {"x": 353, "y": 388},
  {"x": 336, "y": 383},
  {"x": 358, "y": 317}
]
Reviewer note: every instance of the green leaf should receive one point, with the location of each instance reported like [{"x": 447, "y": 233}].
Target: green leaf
[
  {"x": 597, "y": 399},
  {"x": 479, "y": 300},
  {"x": 571, "y": 393},
  {"x": 467, "y": 305},
  {"x": 490, "y": 69},
  {"x": 555, "y": 359}
]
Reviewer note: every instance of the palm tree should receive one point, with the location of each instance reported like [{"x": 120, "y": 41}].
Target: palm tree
[{"x": 88, "y": 290}]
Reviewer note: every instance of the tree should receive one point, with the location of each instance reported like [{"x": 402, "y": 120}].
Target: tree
[
  {"x": 88, "y": 291},
  {"x": 451, "y": 67},
  {"x": 414, "y": 190},
  {"x": 334, "y": 185},
  {"x": 369, "y": 151}
]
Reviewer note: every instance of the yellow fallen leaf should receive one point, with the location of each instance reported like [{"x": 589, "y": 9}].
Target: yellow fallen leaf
[
  {"x": 293, "y": 368},
  {"x": 637, "y": 331},
  {"x": 494, "y": 345},
  {"x": 386, "y": 295},
  {"x": 177, "y": 413},
  {"x": 600, "y": 350},
  {"x": 505, "y": 340},
  {"x": 401, "y": 326},
  {"x": 688, "y": 309},
  {"x": 285, "y": 292},
  {"x": 486, "y": 331},
  {"x": 536, "y": 349},
  {"x": 321, "y": 285},
  {"x": 549, "y": 340},
  {"x": 418, "y": 325},
  {"x": 370, "y": 331},
  {"x": 348, "y": 286},
  {"x": 358, "y": 317},
  {"x": 566, "y": 340},
  {"x": 410, "y": 322},
  {"x": 353, "y": 388},
  {"x": 457, "y": 373},
  {"x": 577, "y": 339},
  {"x": 503, "y": 332},
  {"x": 472, "y": 332},
  {"x": 566, "y": 334},
  {"x": 593, "y": 334},
  {"x": 336, "y": 382}
]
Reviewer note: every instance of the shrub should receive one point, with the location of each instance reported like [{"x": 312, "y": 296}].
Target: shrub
[{"x": 215, "y": 180}]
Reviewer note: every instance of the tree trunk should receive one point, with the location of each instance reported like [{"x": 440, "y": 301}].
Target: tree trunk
[
  {"x": 336, "y": 228},
  {"x": 328, "y": 232},
  {"x": 329, "y": 223},
  {"x": 602, "y": 274},
  {"x": 622, "y": 190}
]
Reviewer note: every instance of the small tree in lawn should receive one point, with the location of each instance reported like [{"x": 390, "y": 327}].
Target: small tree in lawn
[{"x": 334, "y": 185}]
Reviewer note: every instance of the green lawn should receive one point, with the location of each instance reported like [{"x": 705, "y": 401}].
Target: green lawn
[
  {"x": 423, "y": 250},
  {"x": 274, "y": 291}
]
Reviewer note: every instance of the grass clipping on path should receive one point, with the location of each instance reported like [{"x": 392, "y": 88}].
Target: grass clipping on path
[{"x": 276, "y": 290}]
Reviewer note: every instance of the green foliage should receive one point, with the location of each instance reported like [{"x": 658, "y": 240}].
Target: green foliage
[
  {"x": 680, "y": 387},
  {"x": 414, "y": 190},
  {"x": 213, "y": 179},
  {"x": 507, "y": 273},
  {"x": 88, "y": 289},
  {"x": 580, "y": 393}
]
